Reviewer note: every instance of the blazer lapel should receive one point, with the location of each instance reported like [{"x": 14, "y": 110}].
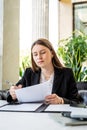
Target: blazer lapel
[
  {"x": 35, "y": 78},
  {"x": 58, "y": 76}
]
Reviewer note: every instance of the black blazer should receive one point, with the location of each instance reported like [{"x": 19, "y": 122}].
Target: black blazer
[{"x": 64, "y": 84}]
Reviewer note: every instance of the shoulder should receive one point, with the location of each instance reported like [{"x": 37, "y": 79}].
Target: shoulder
[
  {"x": 64, "y": 70},
  {"x": 67, "y": 70},
  {"x": 29, "y": 71},
  {"x": 68, "y": 73}
]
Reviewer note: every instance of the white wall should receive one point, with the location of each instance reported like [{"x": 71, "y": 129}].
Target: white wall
[
  {"x": 1, "y": 40},
  {"x": 53, "y": 22},
  {"x": 65, "y": 19},
  {"x": 10, "y": 64}
]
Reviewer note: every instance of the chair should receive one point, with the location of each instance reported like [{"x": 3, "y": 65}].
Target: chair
[
  {"x": 82, "y": 85},
  {"x": 3, "y": 94},
  {"x": 82, "y": 89}
]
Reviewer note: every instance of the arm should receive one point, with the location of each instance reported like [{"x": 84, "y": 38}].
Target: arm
[
  {"x": 11, "y": 96},
  {"x": 72, "y": 91},
  {"x": 64, "y": 89}
]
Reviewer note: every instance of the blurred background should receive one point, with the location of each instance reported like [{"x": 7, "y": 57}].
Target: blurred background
[{"x": 24, "y": 21}]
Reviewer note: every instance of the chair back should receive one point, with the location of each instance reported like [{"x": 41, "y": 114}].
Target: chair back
[{"x": 82, "y": 90}]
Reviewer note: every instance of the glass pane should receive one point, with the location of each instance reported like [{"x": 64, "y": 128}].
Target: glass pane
[{"x": 80, "y": 17}]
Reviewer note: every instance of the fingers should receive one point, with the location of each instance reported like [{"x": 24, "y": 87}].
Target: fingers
[
  {"x": 13, "y": 96},
  {"x": 54, "y": 99},
  {"x": 19, "y": 86},
  {"x": 12, "y": 91}
]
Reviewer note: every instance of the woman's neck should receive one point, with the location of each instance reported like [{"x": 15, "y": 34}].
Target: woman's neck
[{"x": 47, "y": 72}]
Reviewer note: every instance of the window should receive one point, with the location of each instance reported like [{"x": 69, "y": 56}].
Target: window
[{"x": 80, "y": 16}]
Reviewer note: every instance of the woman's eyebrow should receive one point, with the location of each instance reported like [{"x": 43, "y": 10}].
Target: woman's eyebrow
[{"x": 39, "y": 51}]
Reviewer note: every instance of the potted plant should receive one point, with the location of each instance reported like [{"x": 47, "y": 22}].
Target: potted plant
[
  {"x": 73, "y": 51},
  {"x": 25, "y": 63}
]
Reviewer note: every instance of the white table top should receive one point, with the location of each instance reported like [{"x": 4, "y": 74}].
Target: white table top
[{"x": 32, "y": 121}]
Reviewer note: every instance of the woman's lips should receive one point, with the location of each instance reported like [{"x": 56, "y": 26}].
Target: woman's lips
[{"x": 39, "y": 62}]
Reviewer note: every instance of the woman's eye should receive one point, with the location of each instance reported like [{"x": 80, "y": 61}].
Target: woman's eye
[
  {"x": 43, "y": 52},
  {"x": 35, "y": 54}
]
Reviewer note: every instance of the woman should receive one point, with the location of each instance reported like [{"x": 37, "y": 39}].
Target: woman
[{"x": 46, "y": 66}]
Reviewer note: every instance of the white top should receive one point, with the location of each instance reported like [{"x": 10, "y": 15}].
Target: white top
[{"x": 42, "y": 79}]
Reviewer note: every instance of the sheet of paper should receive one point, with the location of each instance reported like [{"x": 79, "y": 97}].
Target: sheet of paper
[
  {"x": 3, "y": 102},
  {"x": 34, "y": 93},
  {"x": 21, "y": 107},
  {"x": 58, "y": 107},
  {"x": 64, "y": 107}
]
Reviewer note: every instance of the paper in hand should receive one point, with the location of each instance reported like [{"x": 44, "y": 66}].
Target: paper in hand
[{"x": 34, "y": 93}]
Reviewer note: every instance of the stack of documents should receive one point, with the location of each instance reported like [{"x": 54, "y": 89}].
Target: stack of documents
[
  {"x": 42, "y": 107},
  {"x": 25, "y": 107}
]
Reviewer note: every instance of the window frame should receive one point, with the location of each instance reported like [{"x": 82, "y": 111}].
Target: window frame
[{"x": 73, "y": 6}]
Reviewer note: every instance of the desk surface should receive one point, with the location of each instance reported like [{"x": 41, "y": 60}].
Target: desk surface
[{"x": 32, "y": 121}]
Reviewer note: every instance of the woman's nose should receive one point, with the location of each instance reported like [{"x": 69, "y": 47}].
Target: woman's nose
[{"x": 39, "y": 56}]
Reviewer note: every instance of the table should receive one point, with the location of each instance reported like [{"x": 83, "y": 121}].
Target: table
[{"x": 32, "y": 121}]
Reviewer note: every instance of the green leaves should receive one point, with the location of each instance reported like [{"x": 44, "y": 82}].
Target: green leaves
[
  {"x": 73, "y": 51},
  {"x": 25, "y": 63}
]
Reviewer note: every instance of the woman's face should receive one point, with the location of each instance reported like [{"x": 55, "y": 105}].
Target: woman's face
[{"x": 42, "y": 56}]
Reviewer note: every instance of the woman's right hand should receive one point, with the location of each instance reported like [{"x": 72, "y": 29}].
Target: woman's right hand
[{"x": 12, "y": 91}]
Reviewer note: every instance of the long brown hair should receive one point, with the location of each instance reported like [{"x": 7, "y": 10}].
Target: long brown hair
[{"x": 46, "y": 43}]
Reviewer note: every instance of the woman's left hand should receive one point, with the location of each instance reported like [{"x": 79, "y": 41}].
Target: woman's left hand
[{"x": 54, "y": 99}]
